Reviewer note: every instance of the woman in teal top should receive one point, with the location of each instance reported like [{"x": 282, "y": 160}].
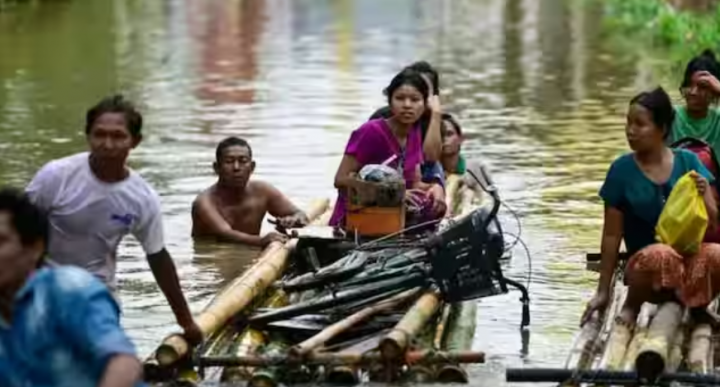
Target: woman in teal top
[
  {"x": 635, "y": 190},
  {"x": 699, "y": 118}
]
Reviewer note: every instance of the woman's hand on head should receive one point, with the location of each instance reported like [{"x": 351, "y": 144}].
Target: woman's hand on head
[
  {"x": 434, "y": 104},
  {"x": 708, "y": 80}
]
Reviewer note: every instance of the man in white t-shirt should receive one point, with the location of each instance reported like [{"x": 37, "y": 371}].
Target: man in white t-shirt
[{"x": 93, "y": 199}]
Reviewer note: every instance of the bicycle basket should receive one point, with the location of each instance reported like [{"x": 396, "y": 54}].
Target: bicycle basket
[{"x": 465, "y": 259}]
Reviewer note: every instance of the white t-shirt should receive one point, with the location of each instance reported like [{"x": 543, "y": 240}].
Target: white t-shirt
[{"x": 89, "y": 218}]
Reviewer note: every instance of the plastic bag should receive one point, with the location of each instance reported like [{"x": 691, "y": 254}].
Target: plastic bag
[
  {"x": 684, "y": 218},
  {"x": 379, "y": 173}
]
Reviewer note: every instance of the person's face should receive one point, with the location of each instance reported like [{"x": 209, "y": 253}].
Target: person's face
[
  {"x": 235, "y": 166},
  {"x": 452, "y": 140},
  {"x": 697, "y": 95},
  {"x": 16, "y": 260},
  {"x": 407, "y": 104},
  {"x": 109, "y": 138},
  {"x": 642, "y": 133}
]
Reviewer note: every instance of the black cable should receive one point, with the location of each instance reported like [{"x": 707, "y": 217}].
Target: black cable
[{"x": 529, "y": 259}]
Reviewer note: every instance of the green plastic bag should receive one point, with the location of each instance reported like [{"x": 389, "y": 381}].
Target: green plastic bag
[{"x": 684, "y": 218}]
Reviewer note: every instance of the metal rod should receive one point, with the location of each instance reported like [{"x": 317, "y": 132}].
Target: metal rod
[
  {"x": 411, "y": 357},
  {"x": 536, "y": 375}
]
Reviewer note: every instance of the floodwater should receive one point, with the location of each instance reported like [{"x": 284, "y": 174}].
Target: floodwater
[{"x": 538, "y": 86}]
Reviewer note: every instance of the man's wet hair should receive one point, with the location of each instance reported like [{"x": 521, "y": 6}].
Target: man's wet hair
[
  {"x": 407, "y": 77},
  {"x": 227, "y": 143},
  {"x": 116, "y": 104},
  {"x": 424, "y": 67},
  {"x": 28, "y": 220},
  {"x": 658, "y": 103}
]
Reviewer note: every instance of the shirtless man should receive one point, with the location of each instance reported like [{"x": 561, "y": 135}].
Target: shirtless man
[{"x": 233, "y": 208}]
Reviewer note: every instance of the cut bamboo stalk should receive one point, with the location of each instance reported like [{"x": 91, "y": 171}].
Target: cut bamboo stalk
[
  {"x": 699, "y": 355},
  {"x": 343, "y": 325},
  {"x": 343, "y": 375},
  {"x": 460, "y": 334},
  {"x": 250, "y": 340},
  {"x": 615, "y": 348},
  {"x": 239, "y": 294},
  {"x": 269, "y": 376},
  {"x": 585, "y": 347},
  {"x": 647, "y": 311},
  {"x": 340, "y": 358},
  {"x": 393, "y": 346},
  {"x": 467, "y": 201},
  {"x": 440, "y": 331},
  {"x": 452, "y": 186},
  {"x": 654, "y": 351},
  {"x": 323, "y": 219},
  {"x": 422, "y": 373},
  {"x": 675, "y": 357}
]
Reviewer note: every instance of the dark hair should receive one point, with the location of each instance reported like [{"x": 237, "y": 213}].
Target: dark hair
[
  {"x": 704, "y": 62},
  {"x": 115, "y": 104},
  {"x": 29, "y": 221},
  {"x": 227, "y": 143},
  {"x": 451, "y": 119},
  {"x": 658, "y": 103},
  {"x": 407, "y": 77},
  {"x": 424, "y": 67}
]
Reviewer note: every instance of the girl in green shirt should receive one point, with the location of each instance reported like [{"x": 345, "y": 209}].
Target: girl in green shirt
[{"x": 700, "y": 88}]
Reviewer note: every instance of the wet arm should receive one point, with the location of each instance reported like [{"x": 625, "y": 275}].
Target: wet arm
[
  {"x": 280, "y": 206},
  {"x": 163, "y": 269},
  {"x": 211, "y": 218},
  {"x": 432, "y": 146},
  {"x": 121, "y": 371},
  {"x": 610, "y": 246}
]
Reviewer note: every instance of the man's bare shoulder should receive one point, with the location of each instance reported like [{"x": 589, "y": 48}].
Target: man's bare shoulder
[
  {"x": 261, "y": 187},
  {"x": 204, "y": 196}
]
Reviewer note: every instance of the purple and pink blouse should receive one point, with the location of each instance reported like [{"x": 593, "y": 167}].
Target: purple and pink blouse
[{"x": 374, "y": 143}]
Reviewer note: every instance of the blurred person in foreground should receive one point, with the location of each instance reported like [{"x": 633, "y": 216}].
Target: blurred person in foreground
[{"x": 59, "y": 325}]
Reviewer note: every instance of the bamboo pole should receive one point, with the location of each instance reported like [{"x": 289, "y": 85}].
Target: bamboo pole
[
  {"x": 250, "y": 340},
  {"x": 338, "y": 358},
  {"x": 699, "y": 359},
  {"x": 270, "y": 375},
  {"x": 460, "y": 334},
  {"x": 467, "y": 201},
  {"x": 239, "y": 294},
  {"x": 343, "y": 325},
  {"x": 395, "y": 343},
  {"x": 343, "y": 375},
  {"x": 440, "y": 332},
  {"x": 647, "y": 311},
  {"x": 675, "y": 357},
  {"x": 452, "y": 186},
  {"x": 654, "y": 351},
  {"x": 418, "y": 372},
  {"x": 618, "y": 337}
]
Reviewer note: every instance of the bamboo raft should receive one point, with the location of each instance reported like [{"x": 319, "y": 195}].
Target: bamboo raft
[
  {"x": 665, "y": 346},
  {"x": 411, "y": 335}
]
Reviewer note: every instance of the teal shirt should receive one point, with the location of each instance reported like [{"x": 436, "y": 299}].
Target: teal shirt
[{"x": 641, "y": 200}]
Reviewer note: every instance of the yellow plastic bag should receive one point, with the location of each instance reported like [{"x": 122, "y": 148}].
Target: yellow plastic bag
[{"x": 684, "y": 218}]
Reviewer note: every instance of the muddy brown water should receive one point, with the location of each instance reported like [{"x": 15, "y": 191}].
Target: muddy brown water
[{"x": 538, "y": 86}]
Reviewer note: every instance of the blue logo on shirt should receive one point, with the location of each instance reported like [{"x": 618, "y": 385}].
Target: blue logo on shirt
[{"x": 126, "y": 219}]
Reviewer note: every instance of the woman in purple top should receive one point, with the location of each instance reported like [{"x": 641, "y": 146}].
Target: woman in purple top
[{"x": 379, "y": 140}]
